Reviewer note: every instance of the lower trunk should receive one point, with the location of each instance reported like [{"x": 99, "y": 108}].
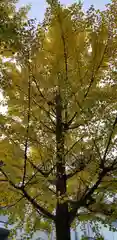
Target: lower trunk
[
  {"x": 62, "y": 215},
  {"x": 62, "y": 222}
]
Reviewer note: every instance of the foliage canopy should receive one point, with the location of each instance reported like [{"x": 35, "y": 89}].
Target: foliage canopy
[{"x": 58, "y": 137}]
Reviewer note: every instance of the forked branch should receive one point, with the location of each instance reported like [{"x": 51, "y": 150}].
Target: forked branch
[{"x": 36, "y": 205}]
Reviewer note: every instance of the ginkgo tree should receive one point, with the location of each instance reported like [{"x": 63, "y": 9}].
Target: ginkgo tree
[{"x": 58, "y": 137}]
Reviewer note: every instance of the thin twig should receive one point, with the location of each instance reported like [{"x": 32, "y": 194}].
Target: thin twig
[
  {"x": 12, "y": 205},
  {"x": 109, "y": 139},
  {"x": 73, "y": 146}
]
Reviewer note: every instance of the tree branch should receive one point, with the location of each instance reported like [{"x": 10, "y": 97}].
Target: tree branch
[
  {"x": 72, "y": 146},
  {"x": 67, "y": 125},
  {"x": 13, "y": 204},
  {"x": 3, "y": 180},
  {"x": 45, "y": 174},
  {"x": 72, "y": 174},
  {"x": 27, "y": 130},
  {"x": 51, "y": 130},
  {"x": 92, "y": 189},
  {"x": 93, "y": 76},
  {"x": 41, "y": 94},
  {"x": 109, "y": 139},
  {"x": 8, "y": 180},
  {"x": 102, "y": 210},
  {"x": 33, "y": 100},
  {"x": 42, "y": 210},
  {"x": 81, "y": 167},
  {"x": 87, "y": 196},
  {"x": 99, "y": 154},
  {"x": 75, "y": 125}
]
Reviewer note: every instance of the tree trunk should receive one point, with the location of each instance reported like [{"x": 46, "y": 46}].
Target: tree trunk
[
  {"x": 62, "y": 213},
  {"x": 62, "y": 222}
]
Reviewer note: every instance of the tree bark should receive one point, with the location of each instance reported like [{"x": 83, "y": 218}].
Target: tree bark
[
  {"x": 62, "y": 213},
  {"x": 62, "y": 222}
]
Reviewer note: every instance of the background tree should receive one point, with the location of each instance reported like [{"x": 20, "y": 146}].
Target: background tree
[
  {"x": 12, "y": 26},
  {"x": 58, "y": 136}
]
